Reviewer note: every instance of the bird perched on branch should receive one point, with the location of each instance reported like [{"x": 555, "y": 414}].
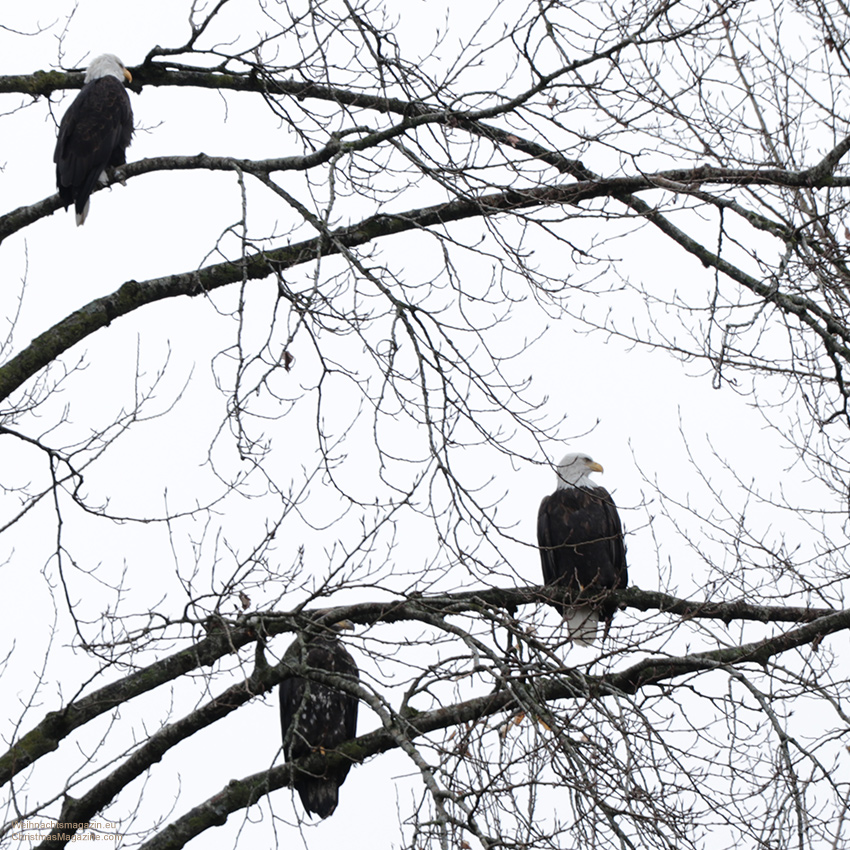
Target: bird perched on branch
[
  {"x": 581, "y": 545},
  {"x": 94, "y": 133},
  {"x": 315, "y": 716}
]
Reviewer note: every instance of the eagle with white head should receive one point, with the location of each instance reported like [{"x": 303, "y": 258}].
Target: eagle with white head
[
  {"x": 581, "y": 546},
  {"x": 94, "y": 133}
]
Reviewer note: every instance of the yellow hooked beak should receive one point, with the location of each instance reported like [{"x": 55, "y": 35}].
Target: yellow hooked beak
[
  {"x": 593, "y": 466},
  {"x": 128, "y": 76}
]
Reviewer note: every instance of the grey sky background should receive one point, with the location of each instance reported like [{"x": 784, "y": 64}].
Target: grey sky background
[{"x": 657, "y": 425}]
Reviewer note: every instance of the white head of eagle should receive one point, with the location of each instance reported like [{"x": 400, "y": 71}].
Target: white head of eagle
[
  {"x": 581, "y": 545},
  {"x": 94, "y": 133}
]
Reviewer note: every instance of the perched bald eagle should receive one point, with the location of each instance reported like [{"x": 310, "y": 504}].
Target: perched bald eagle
[
  {"x": 315, "y": 716},
  {"x": 581, "y": 544},
  {"x": 94, "y": 133}
]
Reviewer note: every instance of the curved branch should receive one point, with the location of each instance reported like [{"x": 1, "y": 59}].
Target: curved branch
[
  {"x": 47, "y": 735},
  {"x": 242, "y": 793},
  {"x": 134, "y": 294}
]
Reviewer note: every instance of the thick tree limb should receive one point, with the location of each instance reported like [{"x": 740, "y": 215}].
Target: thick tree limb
[
  {"x": 242, "y": 793},
  {"x": 259, "y": 265},
  {"x": 232, "y": 636}
]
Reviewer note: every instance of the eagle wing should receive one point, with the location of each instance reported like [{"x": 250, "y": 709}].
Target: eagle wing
[{"x": 581, "y": 540}]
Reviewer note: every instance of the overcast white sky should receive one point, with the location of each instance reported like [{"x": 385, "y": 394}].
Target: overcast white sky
[{"x": 631, "y": 407}]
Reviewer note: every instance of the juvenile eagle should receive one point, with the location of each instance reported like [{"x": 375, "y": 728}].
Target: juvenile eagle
[
  {"x": 581, "y": 544},
  {"x": 315, "y": 716},
  {"x": 94, "y": 133}
]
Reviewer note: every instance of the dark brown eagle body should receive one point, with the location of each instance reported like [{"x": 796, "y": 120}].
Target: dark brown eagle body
[
  {"x": 94, "y": 133},
  {"x": 581, "y": 545},
  {"x": 315, "y": 716}
]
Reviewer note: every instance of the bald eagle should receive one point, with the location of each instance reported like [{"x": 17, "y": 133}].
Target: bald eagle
[
  {"x": 94, "y": 133},
  {"x": 581, "y": 545},
  {"x": 315, "y": 716}
]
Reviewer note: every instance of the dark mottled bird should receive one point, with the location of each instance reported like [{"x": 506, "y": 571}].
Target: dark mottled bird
[
  {"x": 581, "y": 544},
  {"x": 318, "y": 717},
  {"x": 94, "y": 133}
]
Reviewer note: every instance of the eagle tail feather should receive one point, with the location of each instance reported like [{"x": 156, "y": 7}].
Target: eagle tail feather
[
  {"x": 581, "y": 624},
  {"x": 81, "y": 214},
  {"x": 319, "y": 796}
]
